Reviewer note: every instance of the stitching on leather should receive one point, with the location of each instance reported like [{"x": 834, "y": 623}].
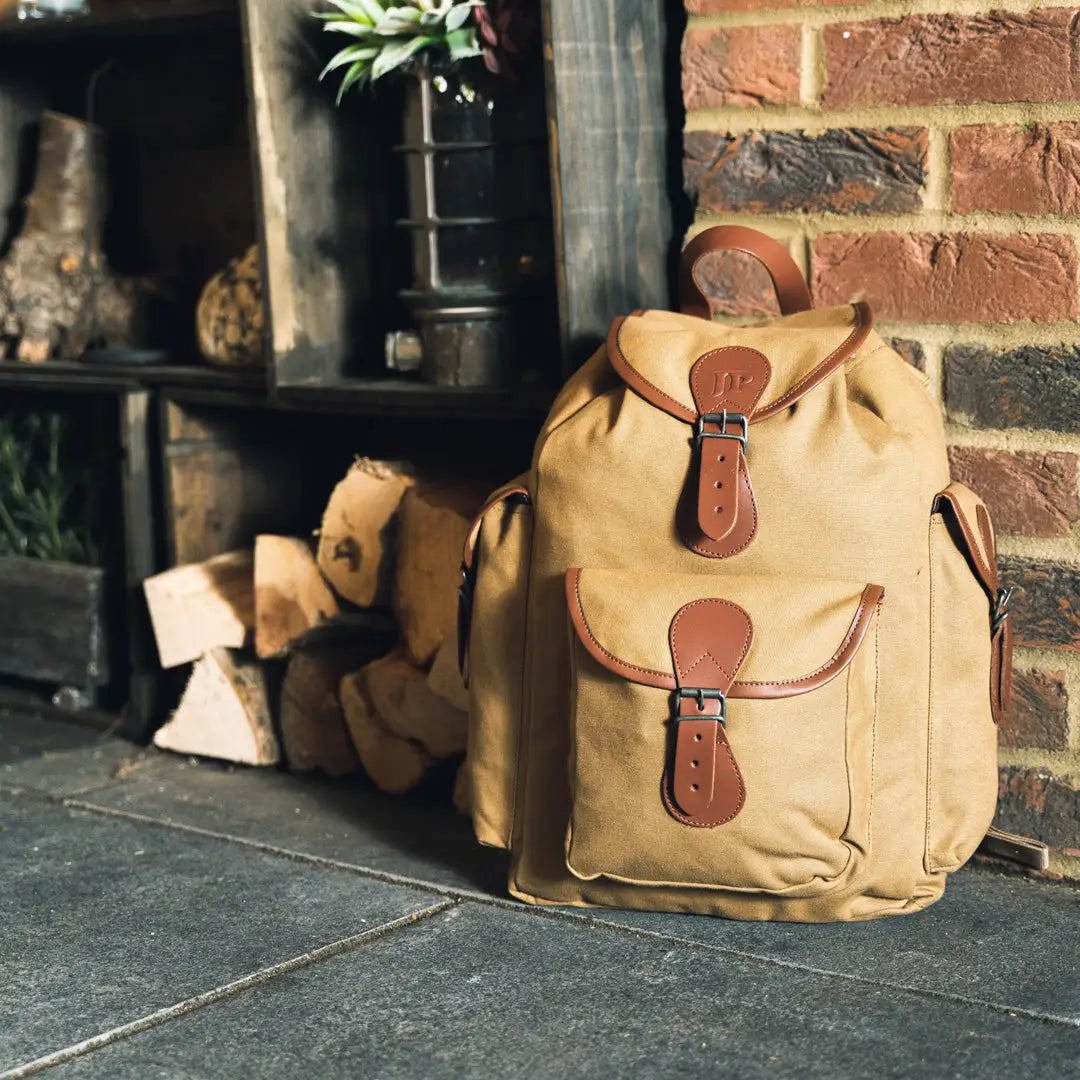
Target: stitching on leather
[
  {"x": 862, "y": 323},
  {"x": 705, "y": 654},
  {"x": 746, "y": 641},
  {"x": 860, "y": 616},
  {"x": 684, "y": 410},
  {"x": 593, "y": 639},
  {"x": 669, "y": 801},
  {"x": 931, "y": 861},
  {"x": 744, "y": 474},
  {"x": 969, "y": 536},
  {"x": 695, "y": 374},
  {"x": 873, "y": 731}
]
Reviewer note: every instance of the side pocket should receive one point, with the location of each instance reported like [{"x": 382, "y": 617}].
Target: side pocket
[
  {"x": 967, "y": 655},
  {"x": 492, "y": 630}
]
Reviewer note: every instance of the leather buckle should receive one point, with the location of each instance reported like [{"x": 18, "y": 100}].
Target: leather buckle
[
  {"x": 1001, "y": 609},
  {"x": 721, "y": 418},
  {"x": 699, "y": 694}
]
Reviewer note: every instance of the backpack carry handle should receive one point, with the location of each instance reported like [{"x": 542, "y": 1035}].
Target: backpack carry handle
[{"x": 791, "y": 288}]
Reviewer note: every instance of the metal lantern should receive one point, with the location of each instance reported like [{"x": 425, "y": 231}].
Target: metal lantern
[{"x": 479, "y": 222}]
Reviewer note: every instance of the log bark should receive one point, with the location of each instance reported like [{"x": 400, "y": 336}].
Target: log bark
[
  {"x": 356, "y": 541},
  {"x": 406, "y": 705},
  {"x": 394, "y": 764},
  {"x": 291, "y": 597},
  {"x": 313, "y": 730},
  {"x": 198, "y": 607},
  {"x": 224, "y": 713},
  {"x": 431, "y": 534},
  {"x": 229, "y": 315},
  {"x": 57, "y": 295}
]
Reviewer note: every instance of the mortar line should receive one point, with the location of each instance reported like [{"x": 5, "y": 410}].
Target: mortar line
[
  {"x": 580, "y": 920},
  {"x": 221, "y": 993}
]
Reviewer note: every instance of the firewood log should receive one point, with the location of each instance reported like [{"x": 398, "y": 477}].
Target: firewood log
[
  {"x": 197, "y": 607},
  {"x": 57, "y": 295},
  {"x": 291, "y": 597},
  {"x": 406, "y": 705},
  {"x": 224, "y": 713},
  {"x": 356, "y": 542},
  {"x": 394, "y": 764},
  {"x": 313, "y": 730},
  {"x": 434, "y": 521}
]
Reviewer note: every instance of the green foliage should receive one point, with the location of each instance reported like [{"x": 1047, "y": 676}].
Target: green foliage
[
  {"x": 387, "y": 33},
  {"x": 45, "y": 498}
]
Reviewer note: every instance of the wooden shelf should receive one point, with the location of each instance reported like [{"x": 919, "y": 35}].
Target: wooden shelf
[
  {"x": 123, "y": 20},
  {"x": 407, "y": 398},
  {"x": 70, "y": 375}
]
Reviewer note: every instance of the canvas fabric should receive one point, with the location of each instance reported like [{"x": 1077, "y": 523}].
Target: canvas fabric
[{"x": 861, "y": 794}]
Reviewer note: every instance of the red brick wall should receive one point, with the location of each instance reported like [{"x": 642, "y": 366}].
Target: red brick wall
[{"x": 930, "y": 162}]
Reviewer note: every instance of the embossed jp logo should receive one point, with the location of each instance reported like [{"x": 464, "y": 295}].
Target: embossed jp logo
[{"x": 724, "y": 382}]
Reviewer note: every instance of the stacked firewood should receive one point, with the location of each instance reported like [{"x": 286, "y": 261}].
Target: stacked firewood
[{"x": 337, "y": 655}]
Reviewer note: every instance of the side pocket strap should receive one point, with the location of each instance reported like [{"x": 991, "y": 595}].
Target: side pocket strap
[{"x": 1021, "y": 850}]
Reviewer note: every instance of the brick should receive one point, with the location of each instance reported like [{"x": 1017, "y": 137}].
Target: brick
[
  {"x": 1038, "y": 717},
  {"x": 950, "y": 278},
  {"x": 1029, "y": 387},
  {"x": 840, "y": 171},
  {"x": 930, "y": 59},
  {"x": 1020, "y": 170},
  {"x": 1045, "y": 603},
  {"x": 912, "y": 351},
  {"x": 1028, "y": 493},
  {"x": 740, "y": 65},
  {"x": 737, "y": 284},
  {"x": 712, "y": 7},
  {"x": 1036, "y": 803}
]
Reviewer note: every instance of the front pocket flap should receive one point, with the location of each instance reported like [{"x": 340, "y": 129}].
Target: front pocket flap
[{"x": 805, "y": 633}]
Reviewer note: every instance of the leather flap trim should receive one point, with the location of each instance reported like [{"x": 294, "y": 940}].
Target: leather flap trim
[
  {"x": 515, "y": 489},
  {"x": 969, "y": 513},
  {"x": 635, "y": 376},
  {"x": 665, "y": 679}
]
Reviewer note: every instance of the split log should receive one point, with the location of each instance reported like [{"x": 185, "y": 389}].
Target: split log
[
  {"x": 394, "y": 764},
  {"x": 56, "y": 293},
  {"x": 431, "y": 534},
  {"x": 445, "y": 679},
  {"x": 198, "y": 607},
  {"x": 224, "y": 713},
  {"x": 356, "y": 542},
  {"x": 313, "y": 730},
  {"x": 229, "y": 316},
  {"x": 291, "y": 597},
  {"x": 405, "y": 704}
]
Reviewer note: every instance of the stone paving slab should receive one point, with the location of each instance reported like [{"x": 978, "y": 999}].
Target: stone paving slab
[
  {"x": 104, "y": 920},
  {"x": 348, "y": 820},
  {"x": 488, "y": 993},
  {"x": 1011, "y": 941}
]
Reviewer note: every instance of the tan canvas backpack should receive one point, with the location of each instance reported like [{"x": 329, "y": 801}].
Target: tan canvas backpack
[{"x": 736, "y": 644}]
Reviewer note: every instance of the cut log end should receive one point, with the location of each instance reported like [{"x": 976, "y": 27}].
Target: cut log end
[{"x": 291, "y": 597}]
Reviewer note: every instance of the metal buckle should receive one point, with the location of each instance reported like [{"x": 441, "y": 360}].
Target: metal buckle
[
  {"x": 721, "y": 418},
  {"x": 1001, "y": 609},
  {"x": 699, "y": 694}
]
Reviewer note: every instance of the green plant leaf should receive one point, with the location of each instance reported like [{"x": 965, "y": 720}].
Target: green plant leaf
[
  {"x": 462, "y": 44},
  {"x": 355, "y": 9},
  {"x": 354, "y": 29},
  {"x": 394, "y": 55},
  {"x": 349, "y": 55},
  {"x": 372, "y": 8},
  {"x": 358, "y": 73},
  {"x": 460, "y": 15},
  {"x": 398, "y": 21}
]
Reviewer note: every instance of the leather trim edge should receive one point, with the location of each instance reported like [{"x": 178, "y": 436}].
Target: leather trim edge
[
  {"x": 871, "y": 597},
  {"x": 507, "y": 491}
]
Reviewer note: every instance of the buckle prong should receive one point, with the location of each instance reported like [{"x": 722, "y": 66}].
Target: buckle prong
[{"x": 699, "y": 694}]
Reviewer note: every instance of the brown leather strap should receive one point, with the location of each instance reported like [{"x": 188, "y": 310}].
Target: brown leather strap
[
  {"x": 790, "y": 285},
  {"x": 1022, "y": 850},
  {"x": 709, "y": 641},
  {"x": 731, "y": 379}
]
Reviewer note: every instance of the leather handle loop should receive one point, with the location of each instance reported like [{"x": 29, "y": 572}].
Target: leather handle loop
[{"x": 787, "y": 278}]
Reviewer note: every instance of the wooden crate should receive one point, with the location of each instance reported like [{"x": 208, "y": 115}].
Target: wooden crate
[{"x": 53, "y": 624}]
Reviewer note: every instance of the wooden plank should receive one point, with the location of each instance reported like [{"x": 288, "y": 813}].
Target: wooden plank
[
  {"x": 20, "y": 106},
  {"x": 609, "y": 155},
  {"x": 316, "y": 167},
  {"x": 53, "y": 629}
]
